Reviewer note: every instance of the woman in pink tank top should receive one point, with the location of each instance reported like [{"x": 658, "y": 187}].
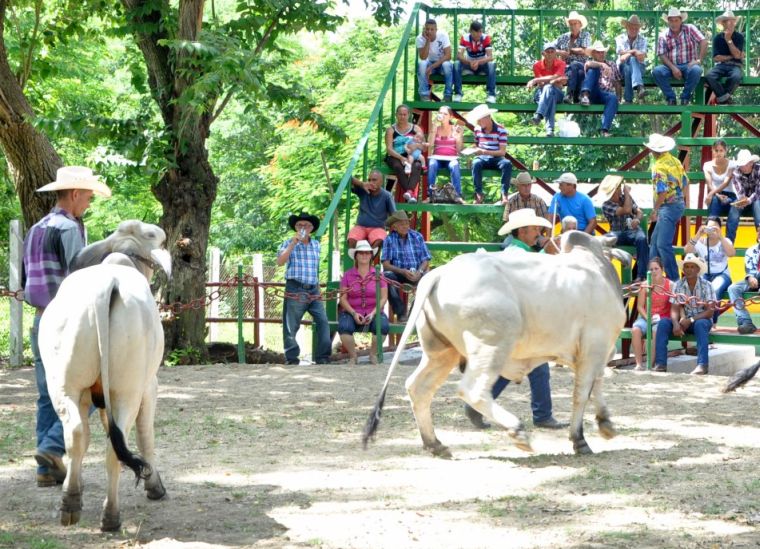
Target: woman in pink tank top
[
  {"x": 660, "y": 309},
  {"x": 444, "y": 144}
]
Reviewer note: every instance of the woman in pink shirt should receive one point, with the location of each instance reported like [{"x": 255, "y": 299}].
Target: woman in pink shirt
[
  {"x": 444, "y": 144},
  {"x": 660, "y": 309}
]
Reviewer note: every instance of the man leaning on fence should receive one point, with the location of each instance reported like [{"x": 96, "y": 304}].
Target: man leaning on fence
[{"x": 301, "y": 253}]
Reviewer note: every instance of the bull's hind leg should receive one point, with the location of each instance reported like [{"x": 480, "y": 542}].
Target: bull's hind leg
[
  {"x": 76, "y": 434},
  {"x": 606, "y": 427},
  {"x": 154, "y": 488},
  {"x": 584, "y": 383},
  {"x": 110, "y": 519}
]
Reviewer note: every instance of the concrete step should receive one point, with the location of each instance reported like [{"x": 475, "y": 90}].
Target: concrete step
[{"x": 725, "y": 360}]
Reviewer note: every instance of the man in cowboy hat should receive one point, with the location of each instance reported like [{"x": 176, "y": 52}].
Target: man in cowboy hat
[
  {"x": 489, "y": 149},
  {"x": 434, "y": 50},
  {"x": 524, "y": 226},
  {"x": 572, "y": 48},
  {"x": 750, "y": 283},
  {"x": 601, "y": 86},
  {"x": 475, "y": 56},
  {"x": 375, "y": 205},
  {"x": 671, "y": 190},
  {"x": 548, "y": 79},
  {"x": 681, "y": 49},
  {"x": 570, "y": 201},
  {"x": 631, "y": 49},
  {"x": 624, "y": 216},
  {"x": 301, "y": 254},
  {"x": 728, "y": 58},
  {"x": 747, "y": 186},
  {"x": 523, "y": 199},
  {"x": 49, "y": 248},
  {"x": 405, "y": 258},
  {"x": 693, "y": 317}
]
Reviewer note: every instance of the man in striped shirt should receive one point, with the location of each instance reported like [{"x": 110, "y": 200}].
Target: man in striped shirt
[
  {"x": 490, "y": 149},
  {"x": 681, "y": 49},
  {"x": 631, "y": 48}
]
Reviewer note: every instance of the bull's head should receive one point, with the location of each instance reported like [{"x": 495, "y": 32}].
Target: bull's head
[{"x": 601, "y": 246}]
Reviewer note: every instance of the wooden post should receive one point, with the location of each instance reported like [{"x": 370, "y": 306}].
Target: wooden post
[
  {"x": 17, "y": 307},
  {"x": 213, "y": 308},
  {"x": 258, "y": 273}
]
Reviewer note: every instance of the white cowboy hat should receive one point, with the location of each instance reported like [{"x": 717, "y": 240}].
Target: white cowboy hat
[
  {"x": 575, "y": 16},
  {"x": 77, "y": 177},
  {"x": 523, "y": 178},
  {"x": 694, "y": 259},
  {"x": 745, "y": 157},
  {"x": 361, "y": 246},
  {"x": 660, "y": 143},
  {"x": 598, "y": 46},
  {"x": 479, "y": 112},
  {"x": 567, "y": 177},
  {"x": 609, "y": 184},
  {"x": 675, "y": 12},
  {"x": 525, "y": 217},
  {"x": 632, "y": 20},
  {"x": 728, "y": 14}
]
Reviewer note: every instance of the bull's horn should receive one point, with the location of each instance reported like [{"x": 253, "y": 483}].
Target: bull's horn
[{"x": 163, "y": 259}]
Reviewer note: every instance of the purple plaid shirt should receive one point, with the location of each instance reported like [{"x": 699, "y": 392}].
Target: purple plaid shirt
[
  {"x": 682, "y": 48},
  {"x": 748, "y": 185}
]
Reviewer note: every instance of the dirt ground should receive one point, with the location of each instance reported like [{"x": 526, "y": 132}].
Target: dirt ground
[{"x": 269, "y": 456}]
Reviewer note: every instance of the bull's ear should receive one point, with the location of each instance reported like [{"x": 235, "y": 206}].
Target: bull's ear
[
  {"x": 162, "y": 258},
  {"x": 607, "y": 240}
]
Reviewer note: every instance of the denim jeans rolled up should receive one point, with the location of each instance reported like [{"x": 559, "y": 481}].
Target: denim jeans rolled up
[
  {"x": 700, "y": 328},
  {"x": 547, "y": 97},
  {"x": 735, "y": 292},
  {"x": 600, "y": 97},
  {"x": 637, "y": 238},
  {"x": 540, "y": 392},
  {"x": 446, "y": 69},
  {"x": 347, "y": 324},
  {"x": 455, "y": 176},
  {"x": 394, "y": 294},
  {"x": 293, "y": 310},
  {"x": 631, "y": 70},
  {"x": 662, "y": 75},
  {"x": 485, "y": 162},
  {"x": 489, "y": 69},
  {"x": 575, "y": 73},
  {"x": 732, "y": 225},
  {"x": 732, "y": 73},
  {"x": 661, "y": 244}
]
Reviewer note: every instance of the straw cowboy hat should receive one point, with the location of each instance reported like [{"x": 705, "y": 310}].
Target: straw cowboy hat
[
  {"x": 567, "y": 177},
  {"x": 632, "y": 20},
  {"x": 525, "y": 217},
  {"x": 745, "y": 157},
  {"x": 598, "y": 46},
  {"x": 303, "y": 216},
  {"x": 481, "y": 111},
  {"x": 675, "y": 12},
  {"x": 77, "y": 177},
  {"x": 575, "y": 16},
  {"x": 361, "y": 246},
  {"x": 660, "y": 143},
  {"x": 395, "y": 217},
  {"x": 694, "y": 259},
  {"x": 728, "y": 14},
  {"x": 609, "y": 184},
  {"x": 523, "y": 178}
]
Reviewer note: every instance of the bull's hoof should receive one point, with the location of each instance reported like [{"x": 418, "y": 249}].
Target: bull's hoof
[
  {"x": 110, "y": 522},
  {"x": 70, "y": 518},
  {"x": 607, "y": 429},
  {"x": 521, "y": 439},
  {"x": 439, "y": 450},
  {"x": 71, "y": 507},
  {"x": 156, "y": 489},
  {"x": 582, "y": 448}
]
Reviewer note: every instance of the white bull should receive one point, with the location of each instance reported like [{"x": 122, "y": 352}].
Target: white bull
[
  {"x": 506, "y": 313},
  {"x": 102, "y": 342}
]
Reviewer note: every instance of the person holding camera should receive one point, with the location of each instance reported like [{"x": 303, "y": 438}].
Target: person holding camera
[{"x": 444, "y": 144}]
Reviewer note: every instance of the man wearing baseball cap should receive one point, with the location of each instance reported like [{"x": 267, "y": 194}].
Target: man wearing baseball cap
[{"x": 548, "y": 78}]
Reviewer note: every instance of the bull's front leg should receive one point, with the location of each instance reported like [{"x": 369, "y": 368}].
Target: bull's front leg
[
  {"x": 606, "y": 427},
  {"x": 154, "y": 488}
]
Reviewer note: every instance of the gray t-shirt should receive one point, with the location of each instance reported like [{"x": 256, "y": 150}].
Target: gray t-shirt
[{"x": 374, "y": 209}]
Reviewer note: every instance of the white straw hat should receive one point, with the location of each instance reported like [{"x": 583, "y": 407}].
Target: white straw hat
[
  {"x": 609, "y": 184},
  {"x": 361, "y": 246},
  {"x": 675, "y": 12},
  {"x": 660, "y": 143},
  {"x": 525, "y": 217},
  {"x": 694, "y": 259},
  {"x": 479, "y": 112},
  {"x": 77, "y": 177},
  {"x": 745, "y": 157},
  {"x": 575, "y": 16}
]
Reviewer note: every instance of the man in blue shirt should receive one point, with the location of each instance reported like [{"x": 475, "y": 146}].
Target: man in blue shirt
[
  {"x": 569, "y": 201},
  {"x": 728, "y": 55},
  {"x": 301, "y": 253}
]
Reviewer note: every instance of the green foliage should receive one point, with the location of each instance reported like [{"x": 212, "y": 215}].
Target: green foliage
[{"x": 181, "y": 357}]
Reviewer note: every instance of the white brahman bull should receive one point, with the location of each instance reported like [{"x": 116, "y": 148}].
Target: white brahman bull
[
  {"x": 506, "y": 313},
  {"x": 102, "y": 342}
]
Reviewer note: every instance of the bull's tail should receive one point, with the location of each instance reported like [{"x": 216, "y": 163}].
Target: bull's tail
[
  {"x": 102, "y": 324},
  {"x": 741, "y": 377},
  {"x": 424, "y": 288}
]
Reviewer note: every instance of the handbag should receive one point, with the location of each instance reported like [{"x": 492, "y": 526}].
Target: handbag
[{"x": 445, "y": 194}]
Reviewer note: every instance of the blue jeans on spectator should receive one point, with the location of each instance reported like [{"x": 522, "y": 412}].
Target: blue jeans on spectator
[
  {"x": 700, "y": 328},
  {"x": 347, "y": 324},
  {"x": 547, "y": 98},
  {"x": 575, "y": 74},
  {"x": 293, "y": 310},
  {"x": 445, "y": 69},
  {"x": 637, "y": 238},
  {"x": 394, "y": 294},
  {"x": 631, "y": 70},
  {"x": 720, "y": 283},
  {"x": 733, "y": 75},
  {"x": 719, "y": 209},
  {"x": 736, "y": 291},
  {"x": 661, "y": 244},
  {"x": 454, "y": 174},
  {"x": 540, "y": 392},
  {"x": 489, "y": 69},
  {"x": 600, "y": 97},
  {"x": 49, "y": 428},
  {"x": 484, "y": 162},
  {"x": 734, "y": 214},
  {"x": 662, "y": 75}
]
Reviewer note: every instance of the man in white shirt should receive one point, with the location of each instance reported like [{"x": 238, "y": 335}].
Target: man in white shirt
[{"x": 434, "y": 50}]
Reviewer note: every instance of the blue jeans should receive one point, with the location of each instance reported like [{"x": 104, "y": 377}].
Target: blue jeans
[
  {"x": 720, "y": 283},
  {"x": 347, "y": 324},
  {"x": 636, "y": 238},
  {"x": 600, "y": 97},
  {"x": 293, "y": 310},
  {"x": 733, "y": 75},
  {"x": 700, "y": 328},
  {"x": 719, "y": 209},
  {"x": 454, "y": 175},
  {"x": 631, "y": 70},
  {"x": 394, "y": 294},
  {"x": 735, "y": 291},
  {"x": 500, "y": 163},
  {"x": 540, "y": 392},
  {"x": 661, "y": 244},
  {"x": 575, "y": 73},
  {"x": 49, "y": 428},
  {"x": 662, "y": 75},
  {"x": 734, "y": 214},
  {"x": 444, "y": 69},
  {"x": 547, "y": 98},
  {"x": 489, "y": 69}
]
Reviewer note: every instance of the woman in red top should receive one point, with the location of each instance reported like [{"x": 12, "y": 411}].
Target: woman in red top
[
  {"x": 549, "y": 80},
  {"x": 444, "y": 144},
  {"x": 660, "y": 309}
]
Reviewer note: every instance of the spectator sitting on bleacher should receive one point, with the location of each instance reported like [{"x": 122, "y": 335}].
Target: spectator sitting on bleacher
[
  {"x": 489, "y": 149},
  {"x": 681, "y": 49},
  {"x": 570, "y": 201},
  {"x": 660, "y": 309},
  {"x": 375, "y": 205},
  {"x": 524, "y": 199},
  {"x": 572, "y": 48},
  {"x": 444, "y": 144},
  {"x": 749, "y": 284},
  {"x": 631, "y": 49},
  {"x": 396, "y": 156},
  {"x": 747, "y": 186},
  {"x": 475, "y": 56},
  {"x": 624, "y": 216},
  {"x": 549, "y": 78},
  {"x": 728, "y": 56},
  {"x": 413, "y": 147},
  {"x": 719, "y": 173},
  {"x": 601, "y": 86},
  {"x": 405, "y": 258},
  {"x": 568, "y": 223},
  {"x": 434, "y": 50},
  {"x": 691, "y": 318}
]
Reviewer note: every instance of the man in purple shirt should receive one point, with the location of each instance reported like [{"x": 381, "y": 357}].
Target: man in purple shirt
[{"x": 49, "y": 249}]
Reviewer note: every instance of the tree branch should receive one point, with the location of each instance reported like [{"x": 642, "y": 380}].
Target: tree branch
[
  {"x": 264, "y": 39},
  {"x": 26, "y": 69}
]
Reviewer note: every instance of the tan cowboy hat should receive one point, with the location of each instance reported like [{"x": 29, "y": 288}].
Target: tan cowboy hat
[
  {"x": 745, "y": 157},
  {"x": 598, "y": 46},
  {"x": 361, "y": 246},
  {"x": 575, "y": 16},
  {"x": 567, "y": 177},
  {"x": 398, "y": 215},
  {"x": 77, "y": 177},
  {"x": 675, "y": 12},
  {"x": 660, "y": 143},
  {"x": 728, "y": 14},
  {"x": 694, "y": 259},
  {"x": 609, "y": 184},
  {"x": 525, "y": 217},
  {"x": 481, "y": 111},
  {"x": 523, "y": 178},
  {"x": 632, "y": 20}
]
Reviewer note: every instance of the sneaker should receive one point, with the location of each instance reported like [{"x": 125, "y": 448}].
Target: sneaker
[
  {"x": 490, "y": 99},
  {"x": 746, "y": 328},
  {"x": 407, "y": 169},
  {"x": 606, "y": 133},
  {"x": 550, "y": 423},
  {"x": 671, "y": 102},
  {"x": 659, "y": 368},
  {"x": 641, "y": 91},
  {"x": 585, "y": 101},
  {"x": 475, "y": 417},
  {"x": 409, "y": 198},
  {"x": 54, "y": 464},
  {"x": 700, "y": 370},
  {"x": 293, "y": 362},
  {"x": 447, "y": 98},
  {"x": 537, "y": 119},
  {"x": 457, "y": 97}
]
